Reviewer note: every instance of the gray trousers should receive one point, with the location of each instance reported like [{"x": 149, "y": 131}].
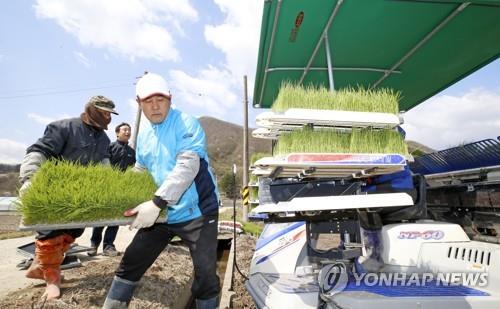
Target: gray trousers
[{"x": 200, "y": 235}]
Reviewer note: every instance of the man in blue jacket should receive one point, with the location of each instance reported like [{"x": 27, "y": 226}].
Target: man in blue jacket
[{"x": 173, "y": 150}]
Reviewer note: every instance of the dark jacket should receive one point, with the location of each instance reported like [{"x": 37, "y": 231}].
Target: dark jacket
[
  {"x": 72, "y": 140},
  {"x": 122, "y": 155}
]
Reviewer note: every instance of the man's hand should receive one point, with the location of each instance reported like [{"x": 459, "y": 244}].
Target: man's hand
[
  {"x": 147, "y": 213},
  {"x": 24, "y": 188}
]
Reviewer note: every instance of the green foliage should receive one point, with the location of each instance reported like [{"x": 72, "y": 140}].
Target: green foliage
[
  {"x": 253, "y": 158},
  {"x": 64, "y": 192},
  {"x": 258, "y": 155},
  {"x": 347, "y": 99},
  {"x": 228, "y": 186},
  {"x": 417, "y": 153},
  {"x": 356, "y": 141},
  {"x": 254, "y": 193},
  {"x": 252, "y": 228}
]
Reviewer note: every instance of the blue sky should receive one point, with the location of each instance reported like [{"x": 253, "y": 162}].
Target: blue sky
[{"x": 55, "y": 54}]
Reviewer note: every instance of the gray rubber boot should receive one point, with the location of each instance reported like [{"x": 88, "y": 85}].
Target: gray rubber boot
[
  {"x": 210, "y": 303},
  {"x": 120, "y": 294}
]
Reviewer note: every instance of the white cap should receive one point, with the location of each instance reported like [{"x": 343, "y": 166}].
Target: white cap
[{"x": 150, "y": 84}]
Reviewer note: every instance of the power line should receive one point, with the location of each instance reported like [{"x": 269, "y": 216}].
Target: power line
[
  {"x": 62, "y": 91},
  {"x": 104, "y": 83}
]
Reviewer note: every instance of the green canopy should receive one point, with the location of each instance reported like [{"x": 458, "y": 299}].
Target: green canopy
[{"x": 417, "y": 47}]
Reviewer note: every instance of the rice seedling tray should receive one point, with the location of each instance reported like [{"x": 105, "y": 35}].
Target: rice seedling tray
[
  {"x": 329, "y": 165},
  {"x": 28, "y": 250},
  {"x": 77, "y": 225},
  {"x": 297, "y": 118}
]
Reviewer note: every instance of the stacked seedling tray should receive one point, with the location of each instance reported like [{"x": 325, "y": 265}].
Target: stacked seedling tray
[
  {"x": 66, "y": 195},
  {"x": 346, "y": 134},
  {"x": 349, "y": 132}
]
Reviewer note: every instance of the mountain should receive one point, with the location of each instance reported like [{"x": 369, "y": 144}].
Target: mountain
[{"x": 225, "y": 144}]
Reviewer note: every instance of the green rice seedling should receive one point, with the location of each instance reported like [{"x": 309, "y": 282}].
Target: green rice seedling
[
  {"x": 254, "y": 193},
  {"x": 65, "y": 192},
  {"x": 329, "y": 141},
  {"x": 347, "y": 99}
]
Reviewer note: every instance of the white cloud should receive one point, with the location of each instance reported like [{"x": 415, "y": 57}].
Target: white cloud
[
  {"x": 1, "y": 57},
  {"x": 212, "y": 89},
  {"x": 82, "y": 59},
  {"x": 132, "y": 28},
  {"x": 11, "y": 152},
  {"x": 40, "y": 119},
  {"x": 44, "y": 120},
  {"x": 238, "y": 36},
  {"x": 217, "y": 89},
  {"x": 445, "y": 121}
]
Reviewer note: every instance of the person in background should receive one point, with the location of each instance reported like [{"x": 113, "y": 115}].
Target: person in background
[
  {"x": 122, "y": 156},
  {"x": 173, "y": 150},
  {"x": 81, "y": 140}
]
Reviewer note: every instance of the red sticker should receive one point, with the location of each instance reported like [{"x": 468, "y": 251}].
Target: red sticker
[{"x": 299, "y": 19}]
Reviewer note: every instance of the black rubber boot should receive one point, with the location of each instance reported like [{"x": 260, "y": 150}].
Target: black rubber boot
[
  {"x": 120, "y": 294},
  {"x": 210, "y": 303}
]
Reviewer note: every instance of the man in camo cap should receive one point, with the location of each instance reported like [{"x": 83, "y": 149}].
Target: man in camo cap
[{"x": 81, "y": 140}]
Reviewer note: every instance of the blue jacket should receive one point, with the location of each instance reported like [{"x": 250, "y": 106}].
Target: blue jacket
[
  {"x": 399, "y": 181},
  {"x": 157, "y": 148}
]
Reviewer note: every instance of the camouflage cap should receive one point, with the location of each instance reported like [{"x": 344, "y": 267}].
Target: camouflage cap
[{"x": 101, "y": 102}]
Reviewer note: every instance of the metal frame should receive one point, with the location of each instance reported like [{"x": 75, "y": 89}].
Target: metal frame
[
  {"x": 334, "y": 68},
  {"x": 271, "y": 45},
  {"x": 422, "y": 42},
  {"x": 325, "y": 30},
  {"x": 329, "y": 63}
]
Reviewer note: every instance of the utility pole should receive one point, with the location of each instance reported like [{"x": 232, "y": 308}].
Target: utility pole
[
  {"x": 137, "y": 120},
  {"x": 245, "y": 149},
  {"x": 136, "y": 126}
]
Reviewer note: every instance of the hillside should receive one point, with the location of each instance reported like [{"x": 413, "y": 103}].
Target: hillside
[{"x": 225, "y": 144}]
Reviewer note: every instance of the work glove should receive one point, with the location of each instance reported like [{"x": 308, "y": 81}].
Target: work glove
[
  {"x": 147, "y": 214},
  {"x": 24, "y": 188}
]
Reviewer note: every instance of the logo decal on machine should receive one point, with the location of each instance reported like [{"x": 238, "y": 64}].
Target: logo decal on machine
[{"x": 427, "y": 235}]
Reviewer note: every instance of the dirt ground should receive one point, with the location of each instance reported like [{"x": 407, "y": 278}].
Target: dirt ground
[
  {"x": 245, "y": 246},
  {"x": 164, "y": 284}
]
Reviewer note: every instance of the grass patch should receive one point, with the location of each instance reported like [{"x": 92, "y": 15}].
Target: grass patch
[
  {"x": 347, "y": 99},
  {"x": 65, "y": 192},
  {"x": 356, "y": 141},
  {"x": 14, "y": 234},
  {"x": 254, "y": 228}
]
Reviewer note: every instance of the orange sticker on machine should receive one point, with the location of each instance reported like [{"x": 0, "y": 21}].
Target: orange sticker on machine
[
  {"x": 299, "y": 19},
  {"x": 295, "y": 30}
]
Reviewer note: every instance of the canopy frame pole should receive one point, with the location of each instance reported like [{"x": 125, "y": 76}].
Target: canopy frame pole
[
  {"x": 334, "y": 68},
  {"x": 271, "y": 45},
  {"x": 422, "y": 42},
  {"x": 327, "y": 26},
  {"x": 329, "y": 62}
]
